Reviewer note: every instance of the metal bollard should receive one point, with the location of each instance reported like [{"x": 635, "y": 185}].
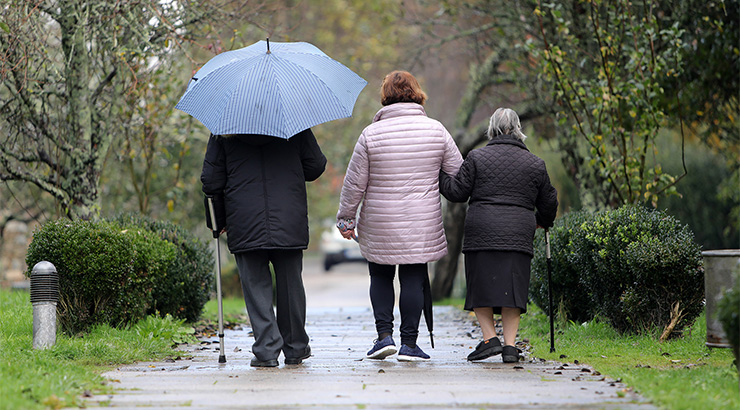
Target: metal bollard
[{"x": 44, "y": 296}]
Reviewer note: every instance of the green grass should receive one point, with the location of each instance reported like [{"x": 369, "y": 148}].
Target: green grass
[
  {"x": 234, "y": 310},
  {"x": 677, "y": 374},
  {"x": 456, "y": 302},
  {"x": 56, "y": 377}
]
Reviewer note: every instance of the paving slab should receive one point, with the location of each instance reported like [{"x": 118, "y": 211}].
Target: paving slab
[{"x": 338, "y": 376}]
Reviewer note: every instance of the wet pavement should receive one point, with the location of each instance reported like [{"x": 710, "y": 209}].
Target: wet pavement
[{"x": 338, "y": 376}]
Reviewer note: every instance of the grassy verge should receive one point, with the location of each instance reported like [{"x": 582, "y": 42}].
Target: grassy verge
[
  {"x": 234, "y": 310},
  {"x": 677, "y": 374},
  {"x": 58, "y": 376}
]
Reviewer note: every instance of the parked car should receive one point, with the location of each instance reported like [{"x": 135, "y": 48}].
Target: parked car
[{"x": 336, "y": 249}]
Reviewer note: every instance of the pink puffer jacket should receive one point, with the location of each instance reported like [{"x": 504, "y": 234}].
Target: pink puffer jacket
[{"x": 394, "y": 172}]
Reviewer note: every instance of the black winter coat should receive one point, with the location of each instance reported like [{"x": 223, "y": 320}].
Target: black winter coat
[
  {"x": 505, "y": 183},
  {"x": 263, "y": 182}
]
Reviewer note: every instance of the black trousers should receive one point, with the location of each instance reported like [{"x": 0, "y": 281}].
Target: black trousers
[
  {"x": 287, "y": 331},
  {"x": 410, "y": 302}
]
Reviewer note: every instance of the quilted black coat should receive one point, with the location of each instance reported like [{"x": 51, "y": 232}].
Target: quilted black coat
[
  {"x": 510, "y": 194},
  {"x": 263, "y": 183}
]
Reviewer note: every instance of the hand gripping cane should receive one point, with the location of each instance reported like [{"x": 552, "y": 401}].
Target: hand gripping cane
[{"x": 222, "y": 354}]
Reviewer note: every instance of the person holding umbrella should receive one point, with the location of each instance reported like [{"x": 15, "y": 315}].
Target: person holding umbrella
[
  {"x": 260, "y": 104},
  {"x": 263, "y": 183},
  {"x": 510, "y": 196},
  {"x": 394, "y": 174}
]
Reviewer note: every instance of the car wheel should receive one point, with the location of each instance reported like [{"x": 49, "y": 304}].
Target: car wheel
[{"x": 328, "y": 263}]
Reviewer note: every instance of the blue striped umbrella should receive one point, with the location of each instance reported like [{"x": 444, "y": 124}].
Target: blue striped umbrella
[{"x": 270, "y": 88}]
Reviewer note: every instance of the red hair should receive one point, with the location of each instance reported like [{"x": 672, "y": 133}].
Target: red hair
[{"x": 401, "y": 86}]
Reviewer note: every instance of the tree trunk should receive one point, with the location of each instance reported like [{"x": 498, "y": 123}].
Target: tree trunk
[
  {"x": 446, "y": 269},
  {"x": 81, "y": 187}
]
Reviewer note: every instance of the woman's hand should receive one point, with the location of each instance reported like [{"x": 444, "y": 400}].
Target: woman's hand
[
  {"x": 347, "y": 228},
  {"x": 348, "y": 234}
]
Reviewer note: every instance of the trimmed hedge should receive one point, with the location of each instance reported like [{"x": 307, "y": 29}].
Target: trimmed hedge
[
  {"x": 183, "y": 290},
  {"x": 638, "y": 268},
  {"x": 728, "y": 313},
  {"x": 118, "y": 272}
]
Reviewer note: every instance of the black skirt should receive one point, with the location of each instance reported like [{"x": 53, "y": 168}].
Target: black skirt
[{"x": 497, "y": 279}]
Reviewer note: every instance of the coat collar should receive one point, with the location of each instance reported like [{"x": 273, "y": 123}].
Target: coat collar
[
  {"x": 507, "y": 139},
  {"x": 399, "y": 110}
]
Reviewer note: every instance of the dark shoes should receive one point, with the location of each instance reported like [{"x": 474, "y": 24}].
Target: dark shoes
[
  {"x": 510, "y": 354},
  {"x": 486, "y": 349},
  {"x": 288, "y": 360},
  {"x": 415, "y": 354},
  {"x": 263, "y": 363},
  {"x": 299, "y": 359},
  {"x": 382, "y": 349}
]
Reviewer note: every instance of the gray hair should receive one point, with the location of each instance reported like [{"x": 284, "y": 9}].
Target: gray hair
[{"x": 505, "y": 121}]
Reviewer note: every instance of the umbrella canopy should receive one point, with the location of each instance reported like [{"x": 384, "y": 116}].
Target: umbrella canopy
[{"x": 271, "y": 88}]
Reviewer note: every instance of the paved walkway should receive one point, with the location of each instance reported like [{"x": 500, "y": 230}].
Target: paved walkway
[{"x": 338, "y": 377}]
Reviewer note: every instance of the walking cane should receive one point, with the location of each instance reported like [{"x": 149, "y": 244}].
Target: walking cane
[
  {"x": 549, "y": 290},
  {"x": 214, "y": 225}
]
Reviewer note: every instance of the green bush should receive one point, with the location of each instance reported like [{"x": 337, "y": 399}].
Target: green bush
[
  {"x": 97, "y": 278},
  {"x": 185, "y": 287},
  {"x": 569, "y": 297},
  {"x": 117, "y": 272},
  {"x": 640, "y": 269},
  {"x": 728, "y": 313}
]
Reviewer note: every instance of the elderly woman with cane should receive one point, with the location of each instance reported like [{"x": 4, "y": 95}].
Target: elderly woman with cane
[
  {"x": 394, "y": 174},
  {"x": 510, "y": 195}
]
